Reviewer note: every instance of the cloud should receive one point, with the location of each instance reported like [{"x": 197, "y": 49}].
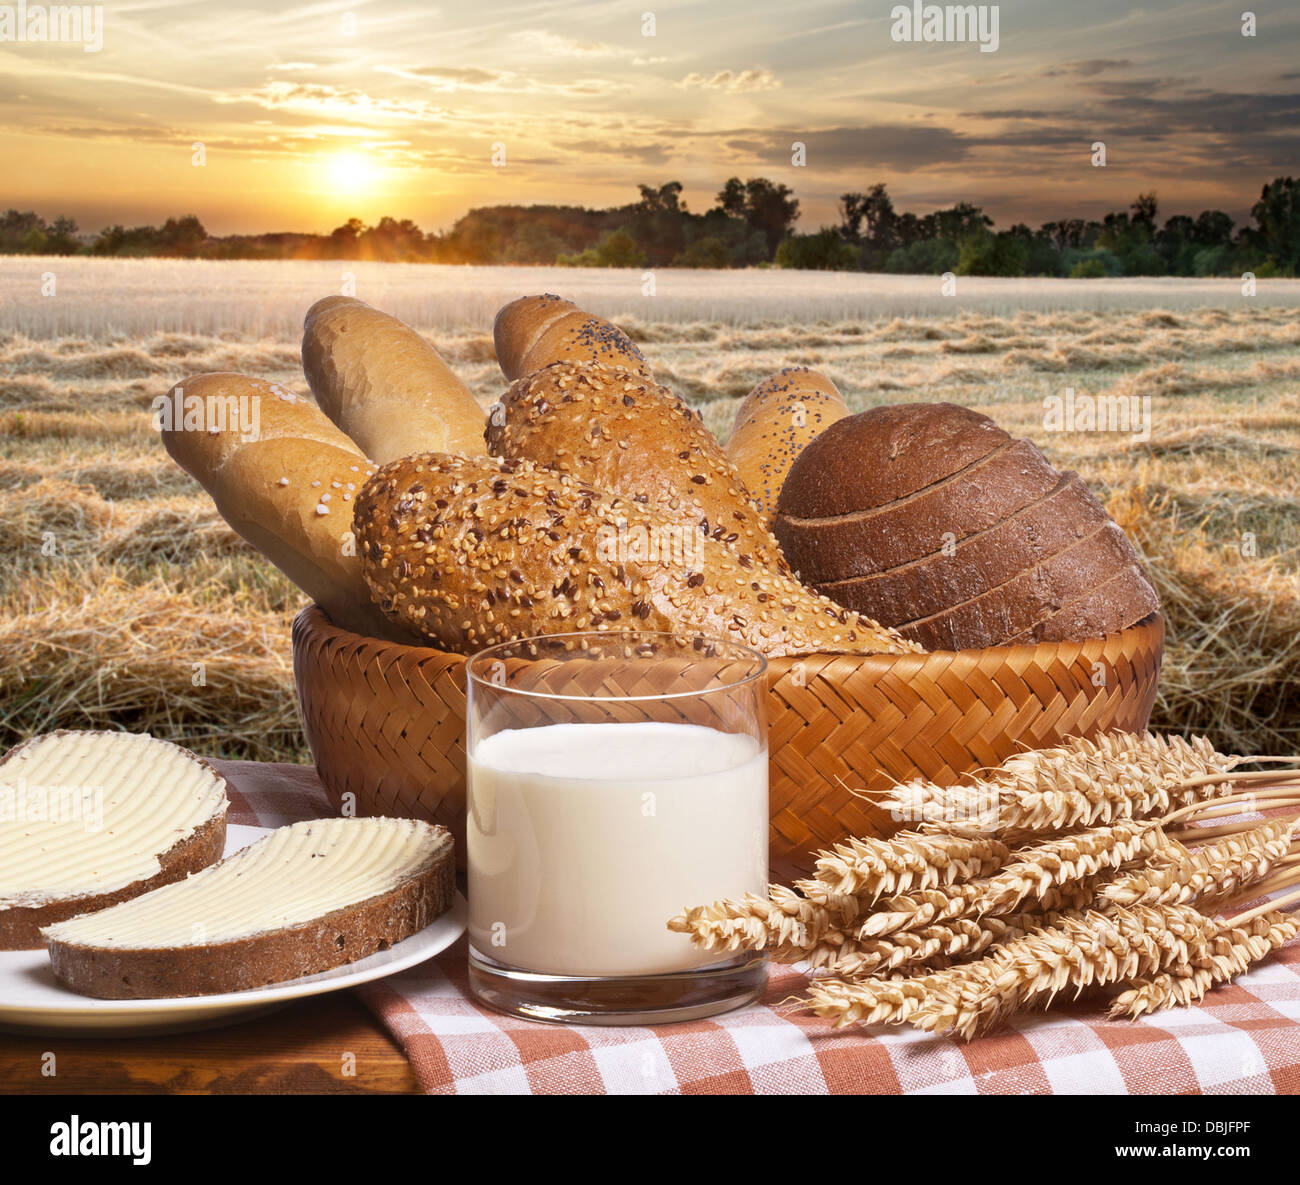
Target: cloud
[
  {"x": 903, "y": 148},
  {"x": 556, "y": 46},
  {"x": 1087, "y": 67},
  {"x": 334, "y": 102},
  {"x": 733, "y": 82},
  {"x": 449, "y": 79},
  {"x": 647, "y": 153}
]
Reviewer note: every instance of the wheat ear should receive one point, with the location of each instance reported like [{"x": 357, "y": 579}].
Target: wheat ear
[
  {"x": 1079, "y": 950},
  {"x": 873, "y": 868},
  {"x": 1218, "y": 870},
  {"x": 912, "y": 948},
  {"x": 1081, "y": 783},
  {"x": 1231, "y": 952},
  {"x": 783, "y": 922},
  {"x": 1046, "y": 871}
]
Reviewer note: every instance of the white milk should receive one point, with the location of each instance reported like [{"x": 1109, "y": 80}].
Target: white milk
[{"x": 584, "y": 839}]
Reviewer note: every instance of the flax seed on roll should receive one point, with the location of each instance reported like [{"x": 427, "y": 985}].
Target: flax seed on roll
[
  {"x": 774, "y": 423},
  {"x": 472, "y": 551},
  {"x": 535, "y": 331},
  {"x": 931, "y": 519},
  {"x": 627, "y": 435}
]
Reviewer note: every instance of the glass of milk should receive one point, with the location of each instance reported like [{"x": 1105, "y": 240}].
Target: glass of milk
[{"x": 615, "y": 779}]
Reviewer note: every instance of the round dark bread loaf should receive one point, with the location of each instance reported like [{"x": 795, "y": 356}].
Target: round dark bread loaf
[
  {"x": 1022, "y": 603},
  {"x": 905, "y": 447},
  {"x": 823, "y": 550},
  {"x": 982, "y": 561},
  {"x": 1105, "y": 609},
  {"x": 931, "y": 519}
]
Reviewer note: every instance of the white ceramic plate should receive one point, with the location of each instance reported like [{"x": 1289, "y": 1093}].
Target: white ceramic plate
[{"x": 33, "y": 1001}]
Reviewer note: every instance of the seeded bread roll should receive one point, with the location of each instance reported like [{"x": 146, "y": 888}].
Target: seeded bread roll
[
  {"x": 627, "y": 435},
  {"x": 773, "y": 425},
  {"x": 535, "y": 331},
  {"x": 384, "y": 385},
  {"x": 284, "y": 478},
  {"x": 476, "y": 551}
]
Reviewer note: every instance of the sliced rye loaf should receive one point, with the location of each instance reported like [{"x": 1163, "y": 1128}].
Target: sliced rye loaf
[
  {"x": 1030, "y": 597},
  {"x": 980, "y": 562},
  {"x": 883, "y": 454},
  {"x": 1114, "y": 605},
  {"x": 297, "y": 902},
  {"x": 91, "y": 819},
  {"x": 840, "y": 547}
]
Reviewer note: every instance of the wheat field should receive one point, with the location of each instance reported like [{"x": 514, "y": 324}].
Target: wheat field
[{"x": 125, "y": 601}]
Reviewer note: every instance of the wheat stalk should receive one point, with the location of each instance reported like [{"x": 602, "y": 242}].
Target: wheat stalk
[
  {"x": 784, "y": 922},
  {"x": 1080, "y": 783},
  {"x": 1230, "y": 953},
  {"x": 1047, "y": 871},
  {"x": 1077, "y": 949},
  {"x": 1218, "y": 869},
  {"x": 872, "y": 868},
  {"x": 909, "y": 949}
]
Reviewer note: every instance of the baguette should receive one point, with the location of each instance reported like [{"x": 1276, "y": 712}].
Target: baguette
[
  {"x": 284, "y": 478},
  {"x": 774, "y": 423},
  {"x": 535, "y": 331},
  {"x": 626, "y": 435},
  {"x": 97, "y": 818},
  {"x": 384, "y": 385},
  {"x": 299, "y": 901},
  {"x": 476, "y": 551}
]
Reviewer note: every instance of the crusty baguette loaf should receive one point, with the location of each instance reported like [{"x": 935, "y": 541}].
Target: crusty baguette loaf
[
  {"x": 477, "y": 551},
  {"x": 535, "y": 331},
  {"x": 625, "y": 434},
  {"x": 296, "y": 902},
  {"x": 285, "y": 481},
  {"x": 840, "y": 547},
  {"x": 384, "y": 385},
  {"x": 774, "y": 423},
  {"x": 91, "y": 819}
]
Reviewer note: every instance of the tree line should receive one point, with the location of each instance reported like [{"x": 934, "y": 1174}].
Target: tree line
[{"x": 751, "y": 223}]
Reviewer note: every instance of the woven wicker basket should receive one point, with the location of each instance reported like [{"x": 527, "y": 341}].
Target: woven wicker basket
[{"x": 386, "y": 722}]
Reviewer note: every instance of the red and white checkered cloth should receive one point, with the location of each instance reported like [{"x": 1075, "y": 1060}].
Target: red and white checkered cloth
[{"x": 1243, "y": 1039}]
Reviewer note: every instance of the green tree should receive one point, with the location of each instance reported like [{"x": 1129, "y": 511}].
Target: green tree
[
  {"x": 765, "y": 205},
  {"x": 1276, "y": 235},
  {"x": 988, "y": 254},
  {"x": 824, "y": 251}
]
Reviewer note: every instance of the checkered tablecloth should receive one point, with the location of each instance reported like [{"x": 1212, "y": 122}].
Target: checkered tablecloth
[{"x": 1243, "y": 1039}]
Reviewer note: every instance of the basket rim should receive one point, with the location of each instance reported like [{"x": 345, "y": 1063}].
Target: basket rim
[{"x": 313, "y": 620}]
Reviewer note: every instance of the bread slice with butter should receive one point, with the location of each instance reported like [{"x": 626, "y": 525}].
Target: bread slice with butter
[
  {"x": 298, "y": 901},
  {"x": 91, "y": 819}
]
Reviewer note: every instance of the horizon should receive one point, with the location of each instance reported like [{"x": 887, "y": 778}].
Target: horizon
[{"x": 311, "y": 114}]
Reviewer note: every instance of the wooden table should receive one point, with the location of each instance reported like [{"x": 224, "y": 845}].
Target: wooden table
[{"x": 298, "y": 1049}]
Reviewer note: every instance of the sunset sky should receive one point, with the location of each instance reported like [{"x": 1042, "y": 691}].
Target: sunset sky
[{"x": 310, "y": 113}]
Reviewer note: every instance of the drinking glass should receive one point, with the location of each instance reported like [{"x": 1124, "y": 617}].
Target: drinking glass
[{"x": 614, "y": 780}]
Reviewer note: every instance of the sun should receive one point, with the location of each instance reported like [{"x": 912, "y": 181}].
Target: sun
[{"x": 350, "y": 172}]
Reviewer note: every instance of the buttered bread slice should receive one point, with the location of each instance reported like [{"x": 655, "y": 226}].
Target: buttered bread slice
[
  {"x": 91, "y": 819},
  {"x": 300, "y": 900}
]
